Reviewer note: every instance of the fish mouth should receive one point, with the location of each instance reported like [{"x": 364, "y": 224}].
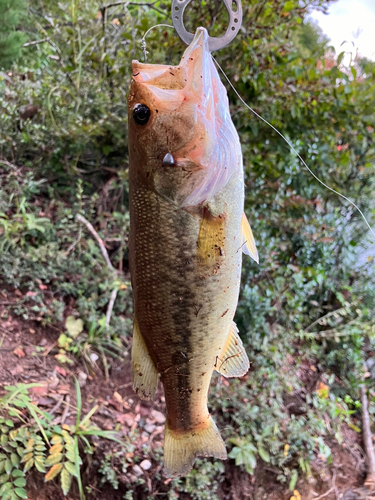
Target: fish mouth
[
  {"x": 189, "y": 74},
  {"x": 190, "y": 103}
]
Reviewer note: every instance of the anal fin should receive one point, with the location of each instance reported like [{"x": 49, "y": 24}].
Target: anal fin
[
  {"x": 234, "y": 361},
  {"x": 145, "y": 375},
  {"x": 249, "y": 247}
]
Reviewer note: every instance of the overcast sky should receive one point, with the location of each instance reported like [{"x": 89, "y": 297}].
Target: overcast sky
[{"x": 351, "y": 21}]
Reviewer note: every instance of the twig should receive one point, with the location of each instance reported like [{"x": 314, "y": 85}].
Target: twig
[
  {"x": 326, "y": 316},
  {"x": 98, "y": 239},
  {"x": 110, "y": 307},
  {"x": 105, "y": 365},
  {"x": 36, "y": 42},
  {"x": 5, "y": 162},
  {"x": 117, "y": 4},
  {"x": 111, "y": 303},
  {"x": 333, "y": 332},
  {"x": 12, "y": 303},
  {"x": 57, "y": 405},
  {"x": 325, "y": 494},
  {"x": 367, "y": 438},
  {"x": 66, "y": 409},
  {"x": 75, "y": 243}
]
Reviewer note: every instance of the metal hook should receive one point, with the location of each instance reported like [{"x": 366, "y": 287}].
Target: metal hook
[{"x": 235, "y": 19}]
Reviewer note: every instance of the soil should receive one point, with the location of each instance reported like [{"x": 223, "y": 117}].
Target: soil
[{"x": 28, "y": 353}]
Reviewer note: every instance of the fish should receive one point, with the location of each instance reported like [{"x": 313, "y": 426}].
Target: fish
[{"x": 188, "y": 232}]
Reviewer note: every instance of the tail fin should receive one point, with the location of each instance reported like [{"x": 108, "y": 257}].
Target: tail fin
[{"x": 180, "y": 449}]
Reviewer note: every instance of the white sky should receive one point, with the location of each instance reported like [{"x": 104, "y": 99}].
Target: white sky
[{"x": 353, "y": 21}]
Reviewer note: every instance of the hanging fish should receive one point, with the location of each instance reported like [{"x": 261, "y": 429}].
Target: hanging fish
[{"x": 188, "y": 232}]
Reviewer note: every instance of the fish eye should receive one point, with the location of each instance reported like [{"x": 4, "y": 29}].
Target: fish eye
[{"x": 141, "y": 114}]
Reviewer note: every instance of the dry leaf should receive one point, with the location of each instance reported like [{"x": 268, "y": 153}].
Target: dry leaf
[
  {"x": 61, "y": 370},
  {"x": 63, "y": 389},
  {"x": 126, "y": 419},
  {"x": 19, "y": 352},
  {"x": 40, "y": 391}
]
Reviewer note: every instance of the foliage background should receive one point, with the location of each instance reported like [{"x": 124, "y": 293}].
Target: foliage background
[{"x": 63, "y": 150}]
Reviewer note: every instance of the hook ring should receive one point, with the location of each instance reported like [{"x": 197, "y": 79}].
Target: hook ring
[{"x": 235, "y": 19}]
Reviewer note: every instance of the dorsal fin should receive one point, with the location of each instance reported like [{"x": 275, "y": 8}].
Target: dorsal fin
[{"x": 249, "y": 247}]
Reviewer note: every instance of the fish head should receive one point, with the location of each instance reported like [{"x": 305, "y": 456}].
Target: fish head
[{"x": 182, "y": 141}]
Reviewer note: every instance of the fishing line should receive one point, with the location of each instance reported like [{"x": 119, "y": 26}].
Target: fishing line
[
  {"x": 293, "y": 149},
  {"x": 143, "y": 41}
]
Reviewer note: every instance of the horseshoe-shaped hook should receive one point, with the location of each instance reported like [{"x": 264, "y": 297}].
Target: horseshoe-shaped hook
[{"x": 235, "y": 19}]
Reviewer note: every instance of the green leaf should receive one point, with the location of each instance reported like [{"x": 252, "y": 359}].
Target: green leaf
[
  {"x": 15, "y": 460},
  {"x": 27, "y": 457},
  {"x": 8, "y": 495},
  {"x": 293, "y": 480},
  {"x": 8, "y": 466},
  {"x": 340, "y": 57},
  {"x": 4, "y": 478},
  {"x": 29, "y": 464},
  {"x": 53, "y": 459},
  {"x": 263, "y": 453},
  {"x": 66, "y": 481},
  {"x": 9, "y": 423},
  {"x": 21, "y": 481},
  {"x": 39, "y": 464},
  {"x": 20, "y": 492},
  {"x": 289, "y": 6},
  {"x": 70, "y": 455},
  {"x": 71, "y": 468},
  {"x": 74, "y": 326},
  {"x": 5, "y": 487},
  {"x": 17, "y": 473}
]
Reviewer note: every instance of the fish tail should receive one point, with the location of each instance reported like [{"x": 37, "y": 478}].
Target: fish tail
[{"x": 181, "y": 448}]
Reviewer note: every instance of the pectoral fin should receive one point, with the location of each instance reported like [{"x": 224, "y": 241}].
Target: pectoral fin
[
  {"x": 249, "y": 247},
  {"x": 145, "y": 375},
  {"x": 211, "y": 238},
  {"x": 234, "y": 361}
]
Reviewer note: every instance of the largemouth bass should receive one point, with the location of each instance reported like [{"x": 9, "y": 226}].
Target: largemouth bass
[{"x": 187, "y": 235}]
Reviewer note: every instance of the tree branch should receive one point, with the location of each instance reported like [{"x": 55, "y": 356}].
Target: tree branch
[
  {"x": 110, "y": 307},
  {"x": 36, "y": 42},
  {"x": 103, "y": 249},
  {"x": 367, "y": 439},
  {"x": 117, "y": 4}
]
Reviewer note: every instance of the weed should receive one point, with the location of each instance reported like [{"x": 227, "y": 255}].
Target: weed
[
  {"x": 28, "y": 439},
  {"x": 202, "y": 483}
]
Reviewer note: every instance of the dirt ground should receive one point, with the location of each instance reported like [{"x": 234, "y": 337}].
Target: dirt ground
[{"x": 27, "y": 355}]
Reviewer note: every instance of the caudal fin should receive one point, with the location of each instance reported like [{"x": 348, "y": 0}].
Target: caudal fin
[{"x": 180, "y": 449}]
